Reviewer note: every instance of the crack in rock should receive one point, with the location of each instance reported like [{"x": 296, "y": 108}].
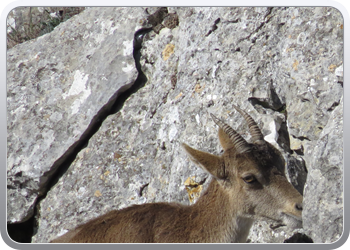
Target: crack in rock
[
  {"x": 114, "y": 105},
  {"x": 268, "y": 17},
  {"x": 299, "y": 238},
  {"x": 21, "y": 231},
  {"x": 142, "y": 188},
  {"x": 272, "y": 102},
  {"x": 214, "y": 27}
]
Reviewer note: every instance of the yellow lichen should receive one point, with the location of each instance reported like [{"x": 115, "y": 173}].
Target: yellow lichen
[
  {"x": 295, "y": 65},
  {"x": 168, "y": 51},
  {"x": 332, "y": 67},
  {"x": 178, "y": 96},
  {"x": 193, "y": 189},
  {"x": 198, "y": 88},
  {"x": 98, "y": 193}
]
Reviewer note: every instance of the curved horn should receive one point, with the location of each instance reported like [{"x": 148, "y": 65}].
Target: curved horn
[
  {"x": 255, "y": 131},
  {"x": 238, "y": 141}
]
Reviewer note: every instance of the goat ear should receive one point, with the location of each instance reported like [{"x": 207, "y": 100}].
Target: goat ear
[
  {"x": 225, "y": 140},
  {"x": 209, "y": 162}
]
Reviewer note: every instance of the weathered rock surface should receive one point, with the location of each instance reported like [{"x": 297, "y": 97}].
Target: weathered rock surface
[
  {"x": 325, "y": 182},
  {"x": 56, "y": 86},
  {"x": 282, "y": 65}
]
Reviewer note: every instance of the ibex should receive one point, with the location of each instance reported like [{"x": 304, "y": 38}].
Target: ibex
[{"x": 248, "y": 183}]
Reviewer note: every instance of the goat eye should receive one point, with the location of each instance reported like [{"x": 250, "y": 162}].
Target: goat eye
[{"x": 249, "y": 179}]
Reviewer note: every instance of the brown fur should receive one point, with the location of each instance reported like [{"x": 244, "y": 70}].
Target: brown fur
[{"x": 225, "y": 211}]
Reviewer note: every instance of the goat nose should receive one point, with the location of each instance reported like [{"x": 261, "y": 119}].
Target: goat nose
[{"x": 298, "y": 206}]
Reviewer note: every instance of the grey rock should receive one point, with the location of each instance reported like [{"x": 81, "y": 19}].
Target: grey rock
[
  {"x": 323, "y": 216},
  {"x": 56, "y": 86},
  {"x": 282, "y": 65}
]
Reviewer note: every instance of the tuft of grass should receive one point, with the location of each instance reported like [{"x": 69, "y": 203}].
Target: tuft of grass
[{"x": 38, "y": 25}]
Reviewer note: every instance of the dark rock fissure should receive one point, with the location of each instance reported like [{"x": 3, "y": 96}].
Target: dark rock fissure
[
  {"x": 214, "y": 27},
  {"x": 267, "y": 18},
  {"x": 23, "y": 232},
  {"x": 143, "y": 188},
  {"x": 273, "y": 101},
  {"x": 301, "y": 138},
  {"x": 334, "y": 105},
  {"x": 299, "y": 238},
  {"x": 283, "y": 138}
]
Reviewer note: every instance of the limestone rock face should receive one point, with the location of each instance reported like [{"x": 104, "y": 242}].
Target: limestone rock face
[
  {"x": 282, "y": 65},
  {"x": 325, "y": 182},
  {"x": 56, "y": 86}
]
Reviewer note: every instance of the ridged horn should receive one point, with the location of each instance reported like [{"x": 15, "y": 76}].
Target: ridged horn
[
  {"x": 238, "y": 141},
  {"x": 254, "y": 130}
]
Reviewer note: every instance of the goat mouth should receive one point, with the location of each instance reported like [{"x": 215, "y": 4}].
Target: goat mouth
[
  {"x": 291, "y": 220},
  {"x": 286, "y": 220},
  {"x": 277, "y": 225}
]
